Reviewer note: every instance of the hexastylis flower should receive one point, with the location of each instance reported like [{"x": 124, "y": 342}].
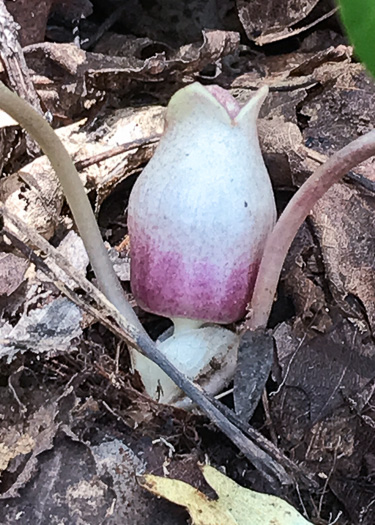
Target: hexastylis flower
[{"x": 199, "y": 216}]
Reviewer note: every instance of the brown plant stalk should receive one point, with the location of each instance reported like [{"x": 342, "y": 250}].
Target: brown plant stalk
[
  {"x": 299, "y": 207},
  {"x": 269, "y": 461},
  {"x": 114, "y": 305},
  {"x": 75, "y": 194}
]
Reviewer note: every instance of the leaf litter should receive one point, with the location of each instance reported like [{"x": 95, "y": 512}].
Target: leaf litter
[{"x": 74, "y": 429}]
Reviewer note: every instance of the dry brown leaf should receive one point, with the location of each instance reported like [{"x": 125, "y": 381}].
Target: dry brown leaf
[
  {"x": 31, "y": 16},
  {"x": 175, "y": 23},
  {"x": 70, "y": 80},
  {"x": 272, "y": 16},
  {"x": 12, "y": 271},
  {"x": 343, "y": 220}
]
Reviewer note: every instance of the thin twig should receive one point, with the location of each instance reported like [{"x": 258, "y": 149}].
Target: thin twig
[
  {"x": 267, "y": 464},
  {"x": 352, "y": 176},
  {"x": 96, "y": 312},
  {"x": 105, "y": 26},
  {"x": 268, "y": 418},
  {"x": 117, "y": 150},
  {"x": 361, "y": 180},
  {"x": 328, "y": 478},
  {"x": 295, "y": 213},
  {"x": 267, "y": 446}
]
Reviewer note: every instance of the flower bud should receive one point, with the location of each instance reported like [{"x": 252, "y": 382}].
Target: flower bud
[{"x": 201, "y": 211}]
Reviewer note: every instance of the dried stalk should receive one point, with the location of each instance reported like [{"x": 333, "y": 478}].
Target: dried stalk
[
  {"x": 292, "y": 218},
  {"x": 76, "y": 196},
  {"x": 120, "y": 310},
  {"x": 267, "y": 459}
]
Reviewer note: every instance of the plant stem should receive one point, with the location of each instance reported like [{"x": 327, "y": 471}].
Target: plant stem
[
  {"x": 76, "y": 196},
  {"x": 264, "y": 455},
  {"x": 279, "y": 241}
]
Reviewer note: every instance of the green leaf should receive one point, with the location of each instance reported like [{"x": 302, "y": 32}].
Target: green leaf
[{"x": 358, "y": 17}]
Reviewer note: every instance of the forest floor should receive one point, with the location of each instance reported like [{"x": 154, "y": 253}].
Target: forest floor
[{"x": 75, "y": 430}]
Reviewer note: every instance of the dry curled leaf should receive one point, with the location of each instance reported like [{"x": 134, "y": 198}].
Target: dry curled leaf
[
  {"x": 70, "y": 80},
  {"x": 272, "y": 16},
  {"x": 34, "y": 192}
]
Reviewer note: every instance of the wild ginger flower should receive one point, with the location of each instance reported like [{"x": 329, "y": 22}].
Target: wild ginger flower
[{"x": 201, "y": 211}]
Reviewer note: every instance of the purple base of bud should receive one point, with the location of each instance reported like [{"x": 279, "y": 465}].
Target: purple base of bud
[{"x": 199, "y": 289}]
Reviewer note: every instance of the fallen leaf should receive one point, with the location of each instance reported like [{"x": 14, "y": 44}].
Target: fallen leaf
[
  {"x": 272, "y": 16},
  {"x": 52, "y": 328},
  {"x": 254, "y": 362},
  {"x": 34, "y": 192},
  {"x": 73, "y": 249},
  {"x": 341, "y": 222},
  {"x": 235, "y": 505},
  {"x": 77, "y": 79},
  {"x": 12, "y": 271},
  {"x": 171, "y": 22},
  {"x": 31, "y": 17}
]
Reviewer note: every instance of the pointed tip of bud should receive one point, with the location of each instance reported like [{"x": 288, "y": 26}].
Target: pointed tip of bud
[{"x": 252, "y": 107}]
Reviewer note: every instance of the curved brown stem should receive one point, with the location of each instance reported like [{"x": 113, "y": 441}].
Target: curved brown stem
[
  {"x": 76, "y": 196},
  {"x": 292, "y": 218}
]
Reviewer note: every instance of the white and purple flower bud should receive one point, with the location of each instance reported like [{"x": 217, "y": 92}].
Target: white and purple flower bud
[{"x": 199, "y": 216}]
